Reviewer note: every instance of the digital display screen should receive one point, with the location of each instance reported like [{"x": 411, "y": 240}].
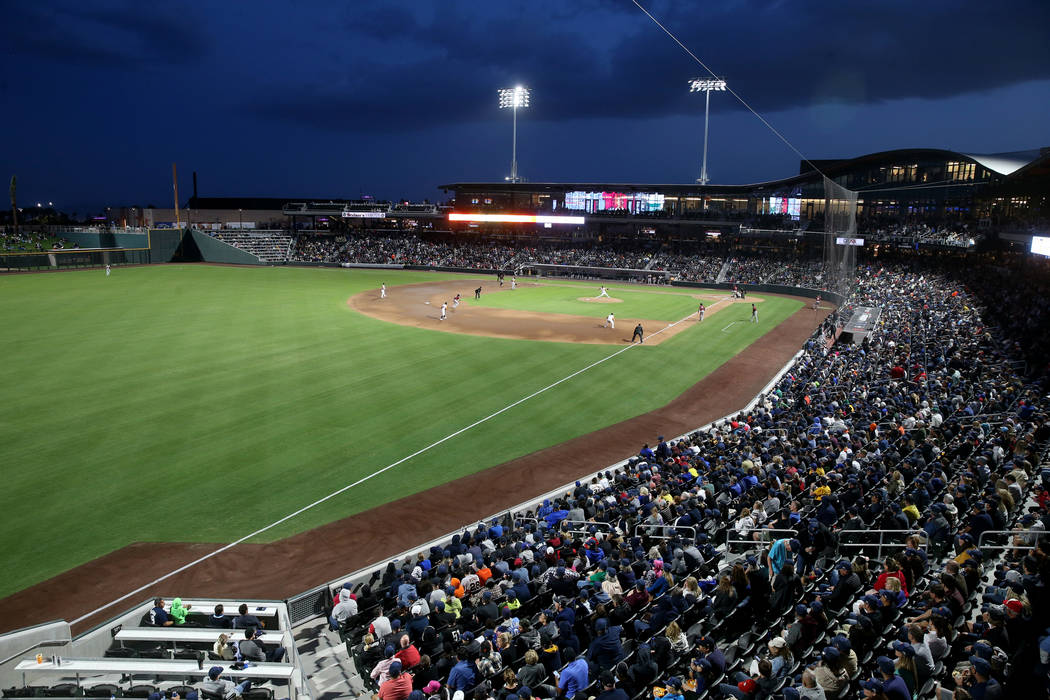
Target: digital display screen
[
  {"x": 1041, "y": 245},
  {"x": 364, "y": 215},
  {"x": 850, "y": 241},
  {"x": 635, "y": 202},
  {"x": 792, "y": 206}
]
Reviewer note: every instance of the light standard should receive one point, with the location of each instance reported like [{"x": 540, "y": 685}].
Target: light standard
[
  {"x": 240, "y": 219},
  {"x": 514, "y": 97},
  {"x": 706, "y": 85}
]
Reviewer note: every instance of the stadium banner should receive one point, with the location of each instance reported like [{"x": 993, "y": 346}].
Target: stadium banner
[
  {"x": 363, "y": 214},
  {"x": 849, "y": 241}
]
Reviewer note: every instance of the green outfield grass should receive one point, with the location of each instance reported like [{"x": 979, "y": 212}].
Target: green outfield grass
[
  {"x": 198, "y": 403},
  {"x": 655, "y": 303}
]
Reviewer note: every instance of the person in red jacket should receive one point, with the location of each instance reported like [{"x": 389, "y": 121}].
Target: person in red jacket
[
  {"x": 407, "y": 654},
  {"x": 892, "y": 569}
]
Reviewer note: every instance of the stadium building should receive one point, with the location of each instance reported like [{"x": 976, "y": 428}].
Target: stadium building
[{"x": 924, "y": 183}]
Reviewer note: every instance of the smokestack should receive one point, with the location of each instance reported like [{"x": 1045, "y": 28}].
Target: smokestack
[{"x": 195, "y": 185}]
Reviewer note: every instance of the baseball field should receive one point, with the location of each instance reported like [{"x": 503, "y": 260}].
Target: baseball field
[{"x": 186, "y": 403}]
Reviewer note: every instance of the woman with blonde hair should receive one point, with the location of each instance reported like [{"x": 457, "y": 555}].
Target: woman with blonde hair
[
  {"x": 677, "y": 638},
  {"x": 691, "y": 589}
]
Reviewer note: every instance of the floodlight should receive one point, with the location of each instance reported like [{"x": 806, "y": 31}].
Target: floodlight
[
  {"x": 706, "y": 86},
  {"x": 514, "y": 98}
]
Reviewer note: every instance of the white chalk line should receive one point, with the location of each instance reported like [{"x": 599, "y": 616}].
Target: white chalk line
[{"x": 332, "y": 495}]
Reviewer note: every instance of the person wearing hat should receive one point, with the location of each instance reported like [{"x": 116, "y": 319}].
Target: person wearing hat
[
  {"x": 609, "y": 689},
  {"x": 847, "y": 586},
  {"x": 872, "y": 688},
  {"x": 712, "y": 654},
  {"x": 398, "y": 686},
  {"x": 978, "y": 680},
  {"x": 830, "y": 672},
  {"x": 892, "y": 684},
  {"x": 220, "y": 687},
  {"x": 779, "y": 656},
  {"x": 381, "y": 671},
  {"x": 905, "y": 664},
  {"x": 850, "y": 662}
]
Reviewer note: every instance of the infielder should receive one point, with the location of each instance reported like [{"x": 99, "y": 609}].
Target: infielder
[
  {"x": 700, "y": 313},
  {"x": 444, "y": 307},
  {"x": 754, "y": 314},
  {"x": 816, "y": 303},
  {"x": 107, "y": 270},
  {"x": 513, "y": 282},
  {"x": 610, "y": 321},
  {"x": 604, "y": 293},
  {"x": 382, "y": 291},
  {"x": 637, "y": 334},
  {"x": 455, "y": 302},
  {"x": 477, "y": 293}
]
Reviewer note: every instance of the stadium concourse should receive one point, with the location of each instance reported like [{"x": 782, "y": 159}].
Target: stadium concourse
[{"x": 874, "y": 525}]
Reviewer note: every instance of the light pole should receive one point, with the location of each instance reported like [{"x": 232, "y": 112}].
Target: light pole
[
  {"x": 514, "y": 97},
  {"x": 706, "y": 85}
]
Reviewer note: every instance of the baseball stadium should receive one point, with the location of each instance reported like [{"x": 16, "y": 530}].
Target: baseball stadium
[{"x": 587, "y": 440}]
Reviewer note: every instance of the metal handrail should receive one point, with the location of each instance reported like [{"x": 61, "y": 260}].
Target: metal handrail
[
  {"x": 1015, "y": 533},
  {"x": 664, "y": 528},
  {"x": 881, "y": 543}
]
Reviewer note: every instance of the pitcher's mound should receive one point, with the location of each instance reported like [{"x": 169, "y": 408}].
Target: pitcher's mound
[{"x": 601, "y": 300}]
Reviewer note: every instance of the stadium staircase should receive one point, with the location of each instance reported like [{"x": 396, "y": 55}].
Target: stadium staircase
[
  {"x": 724, "y": 272},
  {"x": 268, "y": 246},
  {"x": 327, "y": 662},
  {"x": 652, "y": 261}
]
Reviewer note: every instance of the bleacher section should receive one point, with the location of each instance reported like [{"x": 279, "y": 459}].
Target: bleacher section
[{"x": 268, "y": 246}]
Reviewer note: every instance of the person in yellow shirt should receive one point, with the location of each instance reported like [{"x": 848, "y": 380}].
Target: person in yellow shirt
[
  {"x": 821, "y": 489},
  {"x": 910, "y": 510}
]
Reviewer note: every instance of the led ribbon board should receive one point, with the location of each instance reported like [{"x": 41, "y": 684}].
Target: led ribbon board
[{"x": 516, "y": 218}]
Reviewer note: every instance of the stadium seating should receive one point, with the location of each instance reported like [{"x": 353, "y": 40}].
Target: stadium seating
[{"x": 840, "y": 453}]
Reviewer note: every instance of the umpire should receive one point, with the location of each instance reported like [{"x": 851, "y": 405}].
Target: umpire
[{"x": 637, "y": 334}]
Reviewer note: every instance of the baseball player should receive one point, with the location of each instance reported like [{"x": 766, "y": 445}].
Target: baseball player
[
  {"x": 477, "y": 293},
  {"x": 610, "y": 321},
  {"x": 754, "y": 313},
  {"x": 604, "y": 293},
  {"x": 816, "y": 303},
  {"x": 382, "y": 291},
  {"x": 637, "y": 334},
  {"x": 700, "y": 313},
  {"x": 455, "y": 302},
  {"x": 513, "y": 282},
  {"x": 444, "y": 308},
  {"x": 107, "y": 270}
]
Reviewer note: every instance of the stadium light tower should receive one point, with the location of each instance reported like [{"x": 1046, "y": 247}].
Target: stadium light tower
[
  {"x": 514, "y": 98},
  {"x": 706, "y": 85}
]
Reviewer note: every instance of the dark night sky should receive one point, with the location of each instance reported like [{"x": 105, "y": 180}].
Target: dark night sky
[{"x": 312, "y": 98}]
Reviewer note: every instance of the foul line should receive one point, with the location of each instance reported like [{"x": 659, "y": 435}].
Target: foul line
[{"x": 360, "y": 481}]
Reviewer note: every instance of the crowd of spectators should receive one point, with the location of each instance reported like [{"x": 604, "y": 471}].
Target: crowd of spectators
[
  {"x": 32, "y": 241},
  {"x": 627, "y": 585}
]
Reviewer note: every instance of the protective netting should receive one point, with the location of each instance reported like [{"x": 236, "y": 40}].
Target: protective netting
[{"x": 840, "y": 238}]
